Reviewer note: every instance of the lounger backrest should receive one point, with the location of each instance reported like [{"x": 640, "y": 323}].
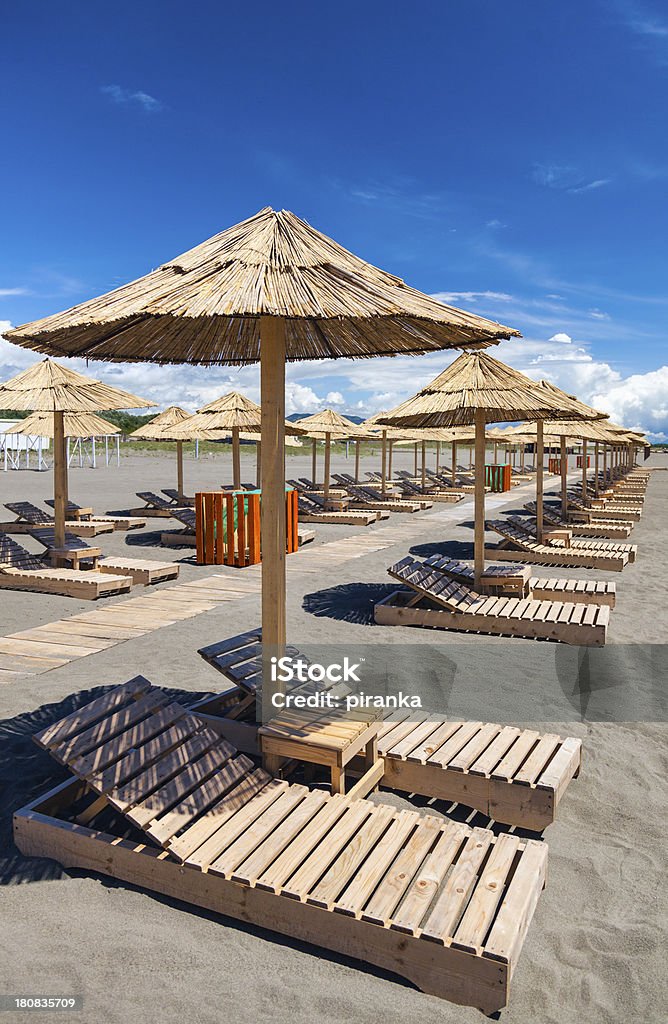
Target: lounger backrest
[
  {"x": 71, "y": 506},
  {"x": 434, "y": 584},
  {"x": 31, "y": 513},
  {"x": 153, "y": 499},
  {"x": 47, "y": 536},
  {"x": 15, "y": 556},
  {"x": 172, "y": 493}
]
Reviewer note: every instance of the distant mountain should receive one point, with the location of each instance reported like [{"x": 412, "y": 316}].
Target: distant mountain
[{"x": 294, "y": 416}]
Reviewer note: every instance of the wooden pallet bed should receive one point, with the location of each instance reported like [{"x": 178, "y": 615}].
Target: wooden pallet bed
[
  {"x": 517, "y": 546},
  {"x": 459, "y": 607},
  {"x": 21, "y": 570},
  {"x": 432, "y": 491},
  {"x": 155, "y": 505},
  {"x": 143, "y": 571},
  {"x": 118, "y": 522},
  {"x": 563, "y": 537},
  {"x": 29, "y": 516},
  {"x": 605, "y": 529},
  {"x": 312, "y": 511},
  {"x": 440, "y": 903},
  {"x": 362, "y": 495},
  {"x": 420, "y": 761},
  {"x": 624, "y": 513},
  {"x": 540, "y": 588}
]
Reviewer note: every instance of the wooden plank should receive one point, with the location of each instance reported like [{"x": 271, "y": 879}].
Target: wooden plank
[
  {"x": 236, "y": 814},
  {"x": 257, "y": 831},
  {"x": 490, "y": 757},
  {"x": 315, "y": 865},
  {"x": 478, "y": 916},
  {"x": 462, "y": 761},
  {"x": 196, "y": 835},
  {"x": 436, "y": 739},
  {"x": 537, "y": 760},
  {"x": 397, "y": 880},
  {"x": 353, "y": 899},
  {"x": 516, "y": 755},
  {"x": 96, "y": 709},
  {"x": 285, "y": 865},
  {"x": 427, "y": 881},
  {"x": 72, "y": 750},
  {"x": 342, "y": 870},
  {"x": 446, "y": 912},
  {"x": 266, "y": 853}
]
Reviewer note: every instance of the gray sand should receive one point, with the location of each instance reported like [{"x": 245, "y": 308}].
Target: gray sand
[{"x": 593, "y": 952}]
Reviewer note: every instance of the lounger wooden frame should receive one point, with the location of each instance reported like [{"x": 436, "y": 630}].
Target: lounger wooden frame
[
  {"x": 438, "y": 902},
  {"x": 599, "y": 528},
  {"x": 461, "y": 608},
  {"x": 527, "y": 524},
  {"x": 496, "y": 766},
  {"x": 29, "y": 517},
  {"x": 21, "y": 570},
  {"x": 118, "y": 522},
  {"x": 518, "y": 546}
]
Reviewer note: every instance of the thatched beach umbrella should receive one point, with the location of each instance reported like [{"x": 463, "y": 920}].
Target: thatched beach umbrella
[
  {"x": 161, "y": 428},
  {"x": 75, "y": 424},
  {"x": 326, "y": 425},
  {"x": 231, "y": 414},
  {"x": 271, "y": 289},
  {"x": 478, "y": 389},
  {"x": 52, "y": 388}
]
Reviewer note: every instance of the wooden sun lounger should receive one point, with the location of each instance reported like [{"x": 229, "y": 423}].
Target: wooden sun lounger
[
  {"x": 311, "y": 512},
  {"x": 139, "y": 570},
  {"x": 562, "y": 537},
  {"x": 541, "y": 588},
  {"x": 20, "y": 570},
  {"x": 367, "y": 497},
  {"x": 603, "y": 500},
  {"x": 517, "y": 546},
  {"x": 496, "y": 791},
  {"x": 440, "y": 903},
  {"x": 176, "y": 498},
  {"x": 154, "y": 505},
  {"x": 75, "y": 549},
  {"x": 448, "y": 494},
  {"x": 29, "y": 516},
  {"x": 461, "y": 483},
  {"x": 599, "y": 528},
  {"x": 85, "y": 514},
  {"x": 336, "y": 502},
  {"x": 614, "y": 512},
  {"x": 462, "y": 608}
]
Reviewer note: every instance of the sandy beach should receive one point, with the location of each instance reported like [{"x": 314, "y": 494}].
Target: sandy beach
[{"x": 594, "y": 949}]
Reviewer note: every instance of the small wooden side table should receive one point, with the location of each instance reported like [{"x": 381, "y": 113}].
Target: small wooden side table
[
  {"x": 329, "y": 740},
  {"x": 72, "y": 556},
  {"x": 505, "y": 578}
]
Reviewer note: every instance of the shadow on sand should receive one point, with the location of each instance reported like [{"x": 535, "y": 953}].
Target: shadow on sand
[{"x": 349, "y": 602}]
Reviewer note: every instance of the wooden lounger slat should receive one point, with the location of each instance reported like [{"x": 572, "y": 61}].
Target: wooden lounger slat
[
  {"x": 478, "y": 916},
  {"x": 306, "y": 876},
  {"x": 286, "y": 864},
  {"x": 257, "y": 831},
  {"x": 446, "y": 912},
  {"x": 426, "y": 883},
  {"x": 391, "y": 889},
  {"x": 79, "y": 720},
  {"x": 336, "y": 878},
  {"x": 257, "y": 862}
]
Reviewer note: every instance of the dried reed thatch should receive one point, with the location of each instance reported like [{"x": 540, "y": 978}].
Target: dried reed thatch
[
  {"x": 330, "y": 422},
  {"x": 590, "y": 430},
  {"x": 476, "y": 381},
  {"x": 49, "y": 387},
  {"x": 161, "y": 428},
  {"x": 76, "y": 424},
  {"x": 205, "y": 305},
  {"x": 232, "y": 411}
]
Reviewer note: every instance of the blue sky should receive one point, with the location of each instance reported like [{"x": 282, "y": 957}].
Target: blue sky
[{"x": 511, "y": 158}]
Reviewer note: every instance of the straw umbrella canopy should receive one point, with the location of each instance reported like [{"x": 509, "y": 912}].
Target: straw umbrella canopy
[
  {"x": 49, "y": 387},
  {"x": 75, "y": 424},
  {"x": 478, "y": 389},
  {"x": 272, "y": 289},
  {"x": 231, "y": 414},
  {"x": 161, "y": 428},
  {"x": 326, "y": 425}
]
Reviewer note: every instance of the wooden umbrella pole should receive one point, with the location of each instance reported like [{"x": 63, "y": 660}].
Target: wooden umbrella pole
[
  {"x": 596, "y": 469},
  {"x": 328, "y": 456},
  {"x": 415, "y": 460},
  {"x": 584, "y": 471},
  {"x": 258, "y": 464},
  {"x": 453, "y": 467},
  {"x": 314, "y": 463},
  {"x": 540, "y": 456},
  {"x": 390, "y": 444},
  {"x": 496, "y": 445},
  {"x": 59, "y": 479},
  {"x": 357, "y": 460},
  {"x": 563, "y": 466},
  {"x": 522, "y": 448},
  {"x": 236, "y": 459},
  {"x": 424, "y": 466},
  {"x": 383, "y": 464},
  {"x": 479, "y": 499},
  {"x": 438, "y": 457},
  {"x": 273, "y": 528},
  {"x": 179, "y": 467},
  {"x": 605, "y": 464}
]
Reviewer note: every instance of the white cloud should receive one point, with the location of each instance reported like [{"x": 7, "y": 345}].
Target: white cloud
[
  {"x": 450, "y": 298},
  {"x": 117, "y": 94},
  {"x": 565, "y": 178},
  {"x": 589, "y": 186},
  {"x": 334, "y": 398},
  {"x": 13, "y": 291},
  {"x": 564, "y": 339},
  {"x": 597, "y": 314}
]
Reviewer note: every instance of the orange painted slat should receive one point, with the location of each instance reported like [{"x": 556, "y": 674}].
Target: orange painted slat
[
  {"x": 208, "y": 528},
  {"x": 199, "y": 526},
  {"x": 253, "y": 529},
  {"x": 220, "y": 534},
  {"x": 241, "y": 530},
  {"x": 229, "y": 503}
]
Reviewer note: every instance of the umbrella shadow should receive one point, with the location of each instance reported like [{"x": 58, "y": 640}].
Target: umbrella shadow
[
  {"x": 144, "y": 538},
  {"x": 348, "y": 602},
  {"x": 456, "y": 549}
]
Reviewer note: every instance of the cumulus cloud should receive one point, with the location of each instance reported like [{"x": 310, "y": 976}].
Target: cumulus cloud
[
  {"x": 126, "y": 97},
  {"x": 562, "y": 338}
]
